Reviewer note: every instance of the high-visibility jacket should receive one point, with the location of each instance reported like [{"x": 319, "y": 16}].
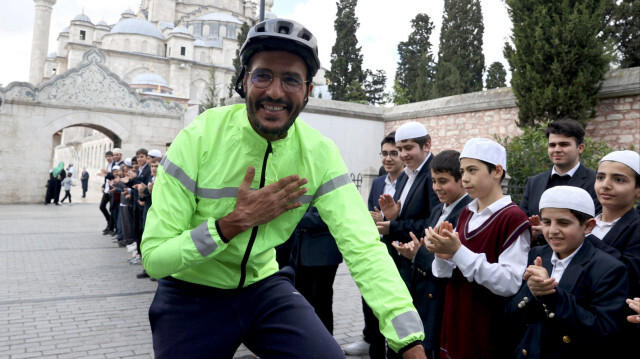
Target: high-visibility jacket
[{"x": 197, "y": 182}]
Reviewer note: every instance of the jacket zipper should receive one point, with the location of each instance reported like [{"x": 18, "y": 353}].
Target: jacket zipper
[{"x": 254, "y": 230}]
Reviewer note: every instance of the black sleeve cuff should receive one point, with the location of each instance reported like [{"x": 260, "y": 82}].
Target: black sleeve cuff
[
  {"x": 409, "y": 346},
  {"x": 224, "y": 239}
]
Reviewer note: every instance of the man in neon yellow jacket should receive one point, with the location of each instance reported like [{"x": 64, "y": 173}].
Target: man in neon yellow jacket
[{"x": 232, "y": 186}]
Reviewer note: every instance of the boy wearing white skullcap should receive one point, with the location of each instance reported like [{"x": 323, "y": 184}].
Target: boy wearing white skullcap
[
  {"x": 571, "y": 304},
  {"x": 485, "y": 258},
  {"x": 617, "y": 229}
]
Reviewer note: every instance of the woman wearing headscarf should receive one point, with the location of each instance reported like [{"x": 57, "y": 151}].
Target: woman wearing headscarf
[{"x": 58, "y": 175}]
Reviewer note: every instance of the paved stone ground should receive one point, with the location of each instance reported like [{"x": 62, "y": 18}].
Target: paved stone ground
[{"x": 67, "y": 291}]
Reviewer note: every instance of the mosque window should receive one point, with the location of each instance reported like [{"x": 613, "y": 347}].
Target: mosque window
[
  {"x": 205, "y": 30},
  {"x": 83, "y": 34},
  {"x": 183, "y": 50}
]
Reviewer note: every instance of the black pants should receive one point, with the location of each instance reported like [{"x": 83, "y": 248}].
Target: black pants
[
  {"x": 106, "y": 198},
  {"x": 66, "y": 194},
  {"x": 316, "y": 285},
  {"x": 269, "y": 317}
]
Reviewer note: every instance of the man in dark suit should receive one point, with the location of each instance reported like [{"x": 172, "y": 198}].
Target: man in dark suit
[
  {"x": 566, "y": 143},
  {"x": 373, "y": 341},
  {"x": 315, "y": 258}
]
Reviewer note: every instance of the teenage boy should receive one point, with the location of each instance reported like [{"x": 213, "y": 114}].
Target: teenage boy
[
  {"x": 426, "y": 289},
  {"x": 106, "y": 195},
  {"x": 409, "y": 208},
  {"x": 572, "y": 303},
  {"x": 566, "y": 144},
  {"x": 373, "y": 341},
  {"x": 484, "y": 259}
]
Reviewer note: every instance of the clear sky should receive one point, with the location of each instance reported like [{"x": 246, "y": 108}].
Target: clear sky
[{"x": 383, "y": 24}]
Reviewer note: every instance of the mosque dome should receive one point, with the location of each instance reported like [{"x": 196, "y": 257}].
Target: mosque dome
[
  {"x": 102, "y": 23},
  {"x": 52, "y": 55},
  {"x": 82, "y": 17},
  {"x": 138, "y": 27},
  {"x": 128, "y": 12},
  {"x": 65, "y": 30},
  {"x": 218, "y": 16},
  {"x": 180, "y": 30},
  {"x": 149, "y": 78}
]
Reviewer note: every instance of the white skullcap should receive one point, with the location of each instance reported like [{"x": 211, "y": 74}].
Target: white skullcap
[
  {"x": 127, "y": 162},
  {"x": 568, "y": 197},
  {"x": 155, "y": 153},
  {"x": 117, "y": 150},
  {"x": 485, "y": 150},
  {"x": 410, "y": 130},
  {"x": 116, "y": 167},
  {"x": 629, "y": 158}
]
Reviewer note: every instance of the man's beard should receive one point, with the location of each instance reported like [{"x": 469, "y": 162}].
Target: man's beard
[{"x": 267, "y": 132}]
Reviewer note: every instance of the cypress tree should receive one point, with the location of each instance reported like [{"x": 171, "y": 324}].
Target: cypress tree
[
  {"x": 346, "y": 77},
  {"x": 625, "y": 29},
  {"x": 415, "y": 72},
  {"x": 211, "y": 100},
  {"x": 460, "y": 59},
  {"x": 496, "y": 76},
  {"x": 237, "y": 65},
  {"x": 557, "y": 58},
  {"x": 374, "y": 86}
]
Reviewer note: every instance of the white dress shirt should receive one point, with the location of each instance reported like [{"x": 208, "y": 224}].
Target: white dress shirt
[
  {"x": 602, "y": 228},
  {"x": 559, "y": 265},
  {"x": 411, "y": 178},
  {"x": 502, "y": 278}
]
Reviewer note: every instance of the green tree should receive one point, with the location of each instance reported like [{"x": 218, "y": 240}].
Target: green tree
[
  {"x": 415, "y": 72},
  {"x": 625, "y": 30},
  {"x": 237, "y": 65},
  {"x": 346, "y": 60},
  {"x": 460, "y": 53},
  {"x": 211, "y": 100},
  {"x": 496, "y": 76},
  {"x": 400, "y": 95},
  {"x": 557, "y": 58},
  {"x": 374, "y": 86}
]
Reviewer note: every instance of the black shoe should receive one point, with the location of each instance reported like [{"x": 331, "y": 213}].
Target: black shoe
[
  {"x": 142, "y": 275},
  {"x": 57, "y": 204},
  {"x": 153, "y": 279},
  {"x": 121, "y": 243},
  {"x": 105, "y": 232},
  {"x": 111, "y": 232}
]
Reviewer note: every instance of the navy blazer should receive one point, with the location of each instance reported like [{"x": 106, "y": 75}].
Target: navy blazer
[
  {"x": 585, "y": 315},
  {"x": 584, "y": 178},
  {"x": 416, "y": 207},
  {"x": 377, "y": 189},
  {"x": 623, "y": 242},
  {"x": 428, "y": 290},
  {"x": 313, "y": 245}
]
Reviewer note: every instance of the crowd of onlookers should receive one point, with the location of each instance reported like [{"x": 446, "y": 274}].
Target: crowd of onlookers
[
  {"x": 59, "y": 179},
  {"x": 126, "y": 197}
]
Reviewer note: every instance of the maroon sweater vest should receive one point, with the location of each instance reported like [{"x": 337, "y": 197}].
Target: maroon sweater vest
[{"x": 472, "y": 325}]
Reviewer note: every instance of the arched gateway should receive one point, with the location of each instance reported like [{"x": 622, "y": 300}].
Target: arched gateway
[{"x": 89, "y": 95}]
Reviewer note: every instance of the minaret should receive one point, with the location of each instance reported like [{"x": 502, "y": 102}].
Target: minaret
[{"x": 40, "y": 43}]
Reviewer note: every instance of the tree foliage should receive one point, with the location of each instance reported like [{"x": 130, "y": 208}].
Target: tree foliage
[
  {"x": 211, "y": 100},
  {"x": 415, "y": 72},
  {"x": 237, "y": 65},
  {"x": 625, "y": 31},
  {"x": 346, "y": 60},
  {"x": 460, "y": 59},
  {"x": 496, "y": 76},
  {"x": 557, "y": 58},
  {"x": 374, "y": 86}
]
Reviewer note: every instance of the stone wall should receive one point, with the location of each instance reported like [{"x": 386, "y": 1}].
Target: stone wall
[{"x": 451, "y": 121}]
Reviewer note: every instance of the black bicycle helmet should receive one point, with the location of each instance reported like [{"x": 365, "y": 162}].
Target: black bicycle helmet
[{"x": 279, "y": 34}]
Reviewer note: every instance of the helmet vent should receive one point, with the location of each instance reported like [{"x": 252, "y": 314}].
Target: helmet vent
[
  {"x": 261, "y": 29},
  {"x": 283, "y": 29}
]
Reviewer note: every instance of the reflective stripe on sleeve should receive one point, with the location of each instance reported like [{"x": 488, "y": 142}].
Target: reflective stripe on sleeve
[
  {"x": 406, "y": 324},
  {"x": 202, "y": 239},
  {"x": 217, "y": 193},
  {"x": 177, "y": 172},
  {"x": 332, "y": 185}
]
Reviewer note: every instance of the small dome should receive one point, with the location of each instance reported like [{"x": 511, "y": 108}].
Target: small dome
[
  {"x": 136, "y": 26},
  {"x": 65, "y": 30},
  {"x": 180, "y": 30},
  {"x": 52, "y": 55},
  {"x": 82, "y": 17},
  {"x": 149, "y": 78},
  {"x": 103, "y": 23},
  {"x": 218, "y": 16},
  {"x": 128, "y": 12}
]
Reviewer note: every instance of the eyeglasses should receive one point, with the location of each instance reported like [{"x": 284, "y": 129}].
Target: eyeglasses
[
  {"x": 290, "y": 82},
  {"x": 393, "y": 154}
]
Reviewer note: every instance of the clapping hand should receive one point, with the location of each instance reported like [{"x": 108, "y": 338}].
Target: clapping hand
[
  {"x": 442, "y": 241},
  {"x": 538, "y": 279},
  {"x": 409, "y": 249},
  {"x": 389, "y": 207}
]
